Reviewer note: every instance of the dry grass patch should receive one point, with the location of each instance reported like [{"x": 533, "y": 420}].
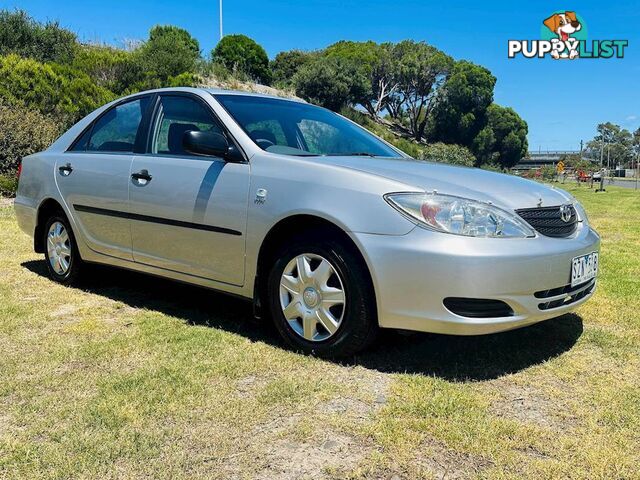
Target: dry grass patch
[{"x": 134, "y": 377}]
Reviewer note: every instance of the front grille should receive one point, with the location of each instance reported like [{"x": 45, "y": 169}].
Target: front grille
[
  {"x": 573, "y": 294},
  {"x": 477, "y": 307},
  {"x": 548, "y": 222}
]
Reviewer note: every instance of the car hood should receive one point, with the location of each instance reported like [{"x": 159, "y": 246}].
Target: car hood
[{"x": 507, "y": 191}]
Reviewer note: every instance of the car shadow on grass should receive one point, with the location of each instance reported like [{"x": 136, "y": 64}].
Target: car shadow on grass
[{"x": 449, "y": 357}]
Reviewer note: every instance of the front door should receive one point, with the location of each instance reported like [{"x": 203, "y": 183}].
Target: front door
[
  {"x": 188, "y": 212},
  {"x": 93, "y": 177}
]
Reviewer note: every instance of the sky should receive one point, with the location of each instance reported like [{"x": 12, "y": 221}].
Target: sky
[{"x": 562, "y": 101}]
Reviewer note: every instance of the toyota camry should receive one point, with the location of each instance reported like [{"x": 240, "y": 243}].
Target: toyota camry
[{"x": 331, "y": 232}]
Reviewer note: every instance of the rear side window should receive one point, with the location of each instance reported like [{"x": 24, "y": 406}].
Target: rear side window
[
  {"x": 116, "y": 130},
  {"x": 176, "y": 116}
]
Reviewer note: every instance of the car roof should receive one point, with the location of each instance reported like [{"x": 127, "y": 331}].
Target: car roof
[
  {"x": 211, "y": 91},
  {"x": 221, "y": 91}
]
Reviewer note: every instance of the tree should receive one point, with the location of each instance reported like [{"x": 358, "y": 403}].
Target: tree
[
  {"x": 22, "y": 35},
  {"x": 239, "y": 53},
  {"x": 462, "y": 112},
  {"x": 287, "y": 64},
  {"x": 509, "y": 134},
  {"x": 375, "y": 62},
  {"x": 331, "y": 82},
  {"x": 612, "y": 144},
  {"x": 169, "y": 52},
  {"x": 422, "y": 71},
  {"x": 483, "y": 146}
]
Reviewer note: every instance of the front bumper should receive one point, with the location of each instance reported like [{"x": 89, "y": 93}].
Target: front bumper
[{"x": 414, "y": 273}]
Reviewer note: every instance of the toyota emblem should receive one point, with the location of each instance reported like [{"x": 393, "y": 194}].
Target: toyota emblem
[{"x": 565, "y": 213}]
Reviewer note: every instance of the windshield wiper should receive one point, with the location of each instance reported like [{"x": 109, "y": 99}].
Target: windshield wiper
[{"x": 352, "y": 154}]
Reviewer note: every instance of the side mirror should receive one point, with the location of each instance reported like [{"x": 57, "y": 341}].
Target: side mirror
[{"x": 205, "y": 143}]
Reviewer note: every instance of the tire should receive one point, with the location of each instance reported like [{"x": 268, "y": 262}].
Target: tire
[
  {"x": 62, "y": 246},
  {"x": 356, "y": 322}
]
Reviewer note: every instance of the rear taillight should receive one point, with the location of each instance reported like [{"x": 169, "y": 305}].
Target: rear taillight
[{"x": 19, "y": 169}]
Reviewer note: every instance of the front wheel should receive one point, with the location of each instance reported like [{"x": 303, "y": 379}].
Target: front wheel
[
  {"x": 61, "y": 253},
  {"x": 320, "y": 298}
]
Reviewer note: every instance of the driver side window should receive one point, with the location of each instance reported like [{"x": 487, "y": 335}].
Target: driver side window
[{"x": 176, "y": 116}]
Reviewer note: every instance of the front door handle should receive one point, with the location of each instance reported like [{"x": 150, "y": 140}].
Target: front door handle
[
  {"x": 65, "y": 170},
  {"x": 142, "y": 175}
]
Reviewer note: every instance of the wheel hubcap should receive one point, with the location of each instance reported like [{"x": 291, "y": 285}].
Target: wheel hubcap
[
  {"x": 59, "y": 248},
  {"x": 312, "y": 297}
]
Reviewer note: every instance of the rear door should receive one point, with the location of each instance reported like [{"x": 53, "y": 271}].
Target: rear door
[
  {"x": 93, "y": 176},
  {"x": 188, "y": 212}
]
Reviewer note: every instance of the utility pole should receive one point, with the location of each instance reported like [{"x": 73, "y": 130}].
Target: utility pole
[{"x": 220, "y": 19}]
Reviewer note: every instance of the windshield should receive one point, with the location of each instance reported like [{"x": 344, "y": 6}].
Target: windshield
[{"x": 296, "y": 128}]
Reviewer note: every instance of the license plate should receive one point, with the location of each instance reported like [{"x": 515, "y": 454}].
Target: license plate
[{"x": 584, "y": 268}]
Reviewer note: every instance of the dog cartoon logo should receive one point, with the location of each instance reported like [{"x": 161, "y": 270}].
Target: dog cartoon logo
[
  {"x": 564, "y": 25},
  {"x": 564, "y": 35}
]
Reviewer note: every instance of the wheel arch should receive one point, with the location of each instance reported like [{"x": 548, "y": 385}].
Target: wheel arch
[
  {"x": 45, "y": 209},
  {"x": 280, "y": 232}
]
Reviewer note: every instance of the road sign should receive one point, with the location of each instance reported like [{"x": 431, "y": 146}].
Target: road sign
[{"x": 560, "y": 167}]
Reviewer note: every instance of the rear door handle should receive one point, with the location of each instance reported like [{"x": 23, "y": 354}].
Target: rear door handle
[
  {"x": 65, "y": 170},
  {"x": 142, "y": 175}
]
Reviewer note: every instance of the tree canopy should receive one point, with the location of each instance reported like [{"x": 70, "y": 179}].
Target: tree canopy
[
  {"x": 331, "y": 82},
  {"x": 286, "y": 64},
  {"x": 241, "y": 54},
  {"x": 461, "y": 113},
  {"x": 22, "y": 35},
  {"x": 613, "y": 145},
  {"x": 170, "y": 51}
]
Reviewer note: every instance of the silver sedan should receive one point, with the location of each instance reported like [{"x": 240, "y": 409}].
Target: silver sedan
[{"x": 329, "y": 230}]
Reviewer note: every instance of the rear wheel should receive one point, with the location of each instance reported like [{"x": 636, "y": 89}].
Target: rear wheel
[
  {"x": 61, "y": 253},
  {"x": 320, "y": 297}
]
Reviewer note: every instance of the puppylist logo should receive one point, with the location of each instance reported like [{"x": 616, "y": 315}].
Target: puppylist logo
[{"x": 564, "y": 37}]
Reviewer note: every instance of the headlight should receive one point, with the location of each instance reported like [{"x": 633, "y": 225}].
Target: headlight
[{"x": 459, "y": 216}]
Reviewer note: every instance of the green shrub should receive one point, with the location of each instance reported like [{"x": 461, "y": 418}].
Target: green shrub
[
  {"x": 52, "y": 89},
  {"x": 169, "y": 52},
  {"x": 548, "y": 172},
  {"x": 112, "y": 68},
  {"x": 445, "y": 153},
  {"x": 8, "y": 185},
  {"x": 22, "y": 132},
  {"x": 286, "y": 65},
  {"x": 21, "y": 34},
  {"x": 493, "y": 167},
  {"x": 242, "y": 56},
  {"x": 185, "y": 79}
]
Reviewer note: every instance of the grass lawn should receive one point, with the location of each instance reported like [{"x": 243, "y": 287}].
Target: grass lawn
[{"x": 135, "y": 377}]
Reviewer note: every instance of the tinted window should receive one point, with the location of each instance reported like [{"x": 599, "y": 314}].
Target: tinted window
[
  {"x": 82, "y": 142},
  {"x": 116, "y": 130},
  {"x": 176, "y": 116},
  {"x": 297, "y": 128},
  {"x": 266, "y": 133}
]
